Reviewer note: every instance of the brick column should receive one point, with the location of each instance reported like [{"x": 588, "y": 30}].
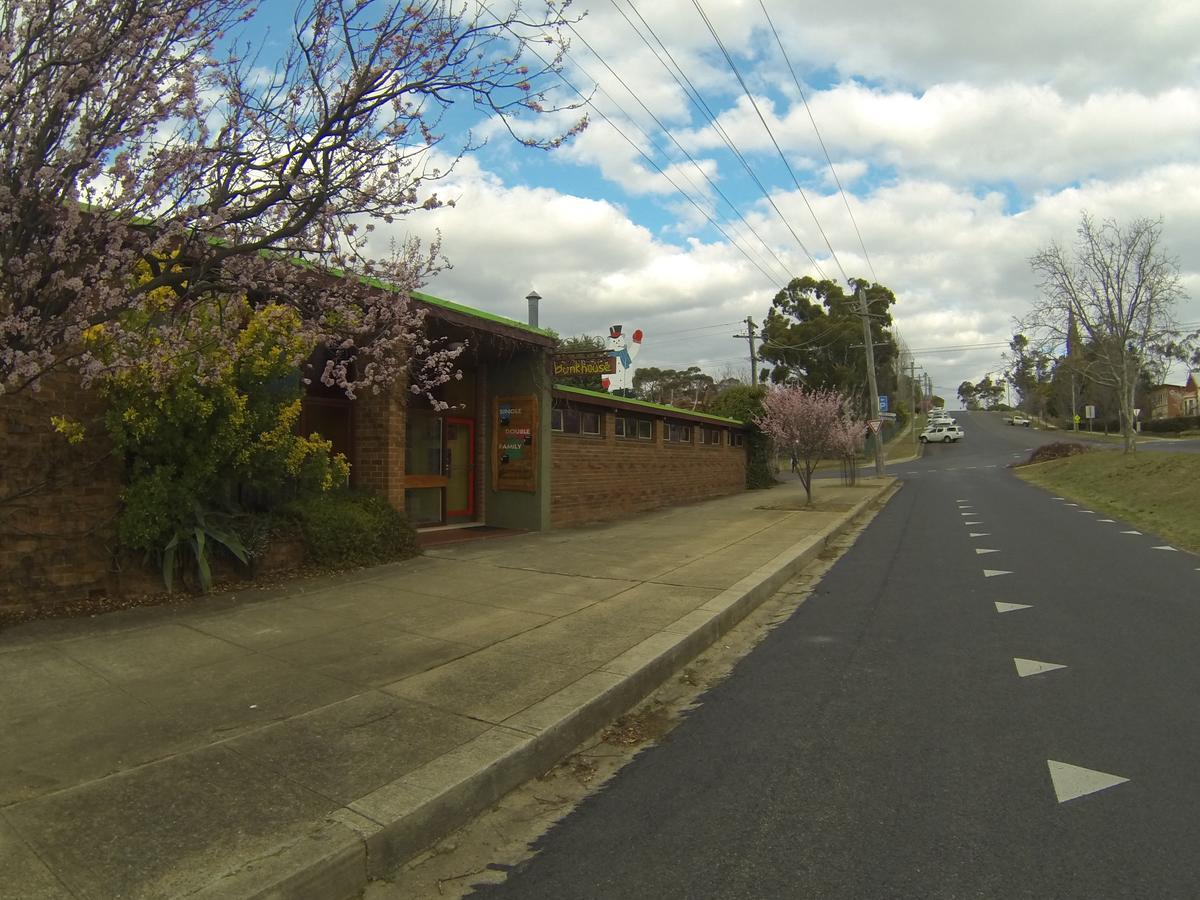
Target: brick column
[{"x": 379, "y": 436}]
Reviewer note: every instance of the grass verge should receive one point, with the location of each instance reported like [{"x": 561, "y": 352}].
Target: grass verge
[{"x": 1157, "y": 492}]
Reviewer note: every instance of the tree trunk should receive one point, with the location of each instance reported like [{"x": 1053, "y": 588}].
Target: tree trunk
[{"x": 1125, "y": 393}]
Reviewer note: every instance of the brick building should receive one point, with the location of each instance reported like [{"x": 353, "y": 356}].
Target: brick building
[{"x": 512, "y": 451}]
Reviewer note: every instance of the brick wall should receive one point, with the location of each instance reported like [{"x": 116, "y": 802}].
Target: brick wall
[
  {"x": 602, "y": 478},
  {"x": 58, "y": 502},
  {"x": 379, "y": 440}
]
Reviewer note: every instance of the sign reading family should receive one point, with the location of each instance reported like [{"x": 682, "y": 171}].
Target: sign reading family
[
  {"x": 596, "y": 362},
  {"x": 514, "y": 444}
]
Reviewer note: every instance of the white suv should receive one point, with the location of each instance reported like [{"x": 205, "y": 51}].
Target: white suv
[{"x": 941, "y": 433}]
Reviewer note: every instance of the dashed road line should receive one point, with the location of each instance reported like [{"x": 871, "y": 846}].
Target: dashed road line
[
  {"x": 992, "y": 573},
  {"x": 1027, "y": 667},
  {"x": 1011, "y": 607},
  {"x": 1071, "y": 781}
]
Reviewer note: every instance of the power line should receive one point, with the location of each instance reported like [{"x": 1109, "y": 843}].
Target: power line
[
  {"x": 820, "y": 140},
  {"x": 638, "y": 149},
  {"x": 745, "y": 88},
  {"x": 698, "y": 101},
  {"x": 674, "y": 140}
]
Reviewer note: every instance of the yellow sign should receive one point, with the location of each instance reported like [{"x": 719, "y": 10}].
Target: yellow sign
[{"x": 600, "y": 363}]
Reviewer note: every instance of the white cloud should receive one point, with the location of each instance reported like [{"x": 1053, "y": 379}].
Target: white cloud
[{"x": 968, "y": 137}]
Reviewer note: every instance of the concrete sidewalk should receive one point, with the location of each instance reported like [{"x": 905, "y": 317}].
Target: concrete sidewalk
[{"x": 296, "y": 741}]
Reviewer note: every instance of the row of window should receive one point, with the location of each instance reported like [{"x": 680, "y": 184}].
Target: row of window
[{"x": 636, "y": 428}]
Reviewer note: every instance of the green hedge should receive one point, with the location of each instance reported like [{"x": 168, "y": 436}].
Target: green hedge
[
  {"x": 350, "y": 527},
  {"x": 1173, "y": 425}
]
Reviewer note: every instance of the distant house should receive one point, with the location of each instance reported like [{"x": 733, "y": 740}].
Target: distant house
[{"x": 1170, "y": 400}]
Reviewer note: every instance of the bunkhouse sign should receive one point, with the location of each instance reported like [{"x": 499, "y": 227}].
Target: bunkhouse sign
[
  {"x": 514, "y": 449},
  {"x": 598, "y": 362}
]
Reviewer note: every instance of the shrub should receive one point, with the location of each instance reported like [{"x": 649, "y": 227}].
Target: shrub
[
  {"x": 1059, "y": 450},
  {"x": 216, "y": 427},
  {"x": 347, "y": 527},
  {"x": 1173, "y": 425}
]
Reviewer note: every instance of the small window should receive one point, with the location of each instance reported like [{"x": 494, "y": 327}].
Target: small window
[
  {"x": 678, "y": 433},
  {"x": 710, "y": 436},
  {"x": 633, "y": 428},
  {"x": 736, "y": 438},
  {"x": 574, "y": 421}
]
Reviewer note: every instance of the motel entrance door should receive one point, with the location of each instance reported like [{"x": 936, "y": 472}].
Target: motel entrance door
[{"x": 439, "y": 470}]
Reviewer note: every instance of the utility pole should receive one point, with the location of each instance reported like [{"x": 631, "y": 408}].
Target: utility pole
[
  {"x": 870, "y": 349},
  {"x": 750, "y": 335},
  {"x": 912, "y": 386}
]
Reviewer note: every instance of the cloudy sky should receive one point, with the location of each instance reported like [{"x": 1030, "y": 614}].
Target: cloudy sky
[{"x": 965, "y": 135}]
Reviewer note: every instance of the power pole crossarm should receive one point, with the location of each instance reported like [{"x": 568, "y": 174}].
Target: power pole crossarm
[{"x": 750, "y": 336}]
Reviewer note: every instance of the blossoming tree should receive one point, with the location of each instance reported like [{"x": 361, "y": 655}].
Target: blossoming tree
[
  {"x": 808, "y": 424},
  {"x": 150, "y": 137}
]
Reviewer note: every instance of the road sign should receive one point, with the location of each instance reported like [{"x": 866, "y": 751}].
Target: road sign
[
  {"x": 1136, "y": 412},
  {"x": 1078, "y": 419},
  {"x": 874, "y": 425},
  {"x": 1089, "y": 411},
  {"x": 891, "y": 417},
  {"x": 883, "y": 403}
]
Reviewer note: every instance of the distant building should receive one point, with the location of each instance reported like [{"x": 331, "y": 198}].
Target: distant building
[{"x": 1170, "y": 400}]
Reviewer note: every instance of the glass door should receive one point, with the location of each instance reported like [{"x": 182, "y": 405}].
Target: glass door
[
  {"x": 460, "y": 470},
  {"x": 424, "y": 480},
  {"x": 439, "y": 470}
]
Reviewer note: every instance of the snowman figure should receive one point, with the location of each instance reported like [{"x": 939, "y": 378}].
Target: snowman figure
[{"x": 624, "y": 350}]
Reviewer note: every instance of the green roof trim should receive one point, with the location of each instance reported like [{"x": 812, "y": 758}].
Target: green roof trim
[
  {"x": 480, "y": 314},
  {"x": 661, "y": 407}
]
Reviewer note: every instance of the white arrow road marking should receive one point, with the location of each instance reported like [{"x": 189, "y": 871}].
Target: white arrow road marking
[
  {"x": 969, "y": 514},
  {"x": 990, "y": 573},
  {"x": 1072, "y": 504},
  {"x": 1166, "y": 547},
  {"x": 992, "y": 466},
  {"x": 1010, "y": 607},
  {"x": 1027, "y": 667},
  {"x": 1058, "y": 498},
  {"x": 1109, "y": 521},
  {"x": 979, "y": 534},
  {"x": 1130, "y": 532},
  {"x": 979, "y": 551},
  {"x": 1075, "y": 781},
  {"x": 972, "y": 523},
  {"x": 1028, "y": 449},
  {"x": 972, "y": 467},
  {"x": 1088, "y": 511}
]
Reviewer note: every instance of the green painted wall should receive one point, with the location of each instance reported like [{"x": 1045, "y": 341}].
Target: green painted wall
[{"x": 525, "y": 373}]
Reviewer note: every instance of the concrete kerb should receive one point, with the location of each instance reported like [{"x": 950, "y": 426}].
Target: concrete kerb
[{"x": 394, "y": 823}]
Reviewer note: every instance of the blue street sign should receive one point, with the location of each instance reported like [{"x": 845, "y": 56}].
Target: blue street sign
[{"x": 883, "y": 406}]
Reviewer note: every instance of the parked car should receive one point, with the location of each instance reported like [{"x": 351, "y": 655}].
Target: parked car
[
  {"x": 1017, "y": 419},
  {"x": 941, "y": 434}
]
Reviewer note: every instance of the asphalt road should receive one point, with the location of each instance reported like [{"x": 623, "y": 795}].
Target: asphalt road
[{"x": 902, "y": 735}]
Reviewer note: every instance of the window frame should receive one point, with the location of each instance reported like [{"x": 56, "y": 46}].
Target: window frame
[
  {"x": 621, "y": 422},
  {"x": 673, "y": 428}
]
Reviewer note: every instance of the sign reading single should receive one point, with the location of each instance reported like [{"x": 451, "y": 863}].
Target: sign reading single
[{"x": 514, "y": 443}]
